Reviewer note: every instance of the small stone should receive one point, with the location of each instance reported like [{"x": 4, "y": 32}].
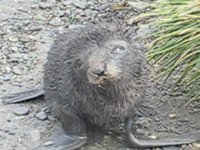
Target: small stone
[
  {"x": 44, "y": 6},
  {"x": 49, "y": 143},
  {"x": 34, "y": 28},
  {"x": 173, "y": 115},
  {"x": 152, "y": 137},
  {"x": 72, "y": 26},
  {"x": 103, "y": 7},
  {"x": 80, "y": 4},
  {"x": 101, "y": 15},
  {"x": 143, "y": 120},
  {"x": 17, "y": 71},
  {"x": 88, "y": 12},
  {"x": 7, "y": 69},
  {"x": 17, "y": 57},
  {"x": 90, "y": 3},
  {"x": 80, "y": 12},
  {"x": 56, "y": 22},
  {"x": 41, "y": 116},
  {"x": 14, "y": 49},
  {"x": 157, "y": 119},
  {"x": 35, "y": 136},
  {"x": 67, "y": 2},
  {"x": 61, "y": 13},
  {"x": 19, "y": 110},
  {"x": 7, "y": 77},
  {"x": 142, "y": 132},
  {"x": 2, "y": 32},
  {"x": 13, "y": 39}
]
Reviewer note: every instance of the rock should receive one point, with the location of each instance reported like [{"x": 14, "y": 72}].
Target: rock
[
  {"x": 34, "y": 28},
  {"x": 72, "y": 26},
  {"x": 56, "y": 22},
  {"x": 61, "y": 13},
  {"x": 13, "y": 39},
  {"x": 103, "y": 7},
  {"x": 80, "y": 12},
  {"x": 17, "y": 71},
  {"x": 7, "y": 77},
  {"x": 90, "y": 3},
  {"x": 88, "y": 12},
  {"x": 7, "y": 69},
  {"x": 19, "y": 110},
  {"x": 80, "y": 4},
  {"x": 143, "y": 120},
  {"x": 67, "y": 2},
  {"x": 44, "y": 6},
  {"x": 17, "y": 57},
  {"x": 48, "y": 143},
  {"x": 35, "y": 136},
  {"x": 41, "y": 115}
]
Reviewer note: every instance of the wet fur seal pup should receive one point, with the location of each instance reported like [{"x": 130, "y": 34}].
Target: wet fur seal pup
[{"x": 96, "y": 74}]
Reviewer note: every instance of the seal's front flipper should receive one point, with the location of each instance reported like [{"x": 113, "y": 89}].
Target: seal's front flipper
[
  {"x": 61, "y": 141},
  {"x": 22, "y": 96}
]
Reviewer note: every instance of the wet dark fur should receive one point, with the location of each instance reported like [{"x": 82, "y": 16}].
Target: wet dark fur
[{"x": 66, "y": 83}]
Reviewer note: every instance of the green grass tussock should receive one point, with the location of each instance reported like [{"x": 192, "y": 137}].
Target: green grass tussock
[{"x": 176, "y": 40}]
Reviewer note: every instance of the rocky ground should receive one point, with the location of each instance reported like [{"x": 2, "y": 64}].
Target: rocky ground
[{"x": 27, "y": 28}]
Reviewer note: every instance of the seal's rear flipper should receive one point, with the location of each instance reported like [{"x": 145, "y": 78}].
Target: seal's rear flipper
[
  {"x": 22, "y": 96},
  {"x": 61, "y": 141}
]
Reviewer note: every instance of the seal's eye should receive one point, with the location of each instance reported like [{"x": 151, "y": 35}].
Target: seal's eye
[
  {"x": 118, "y": 50},
  {"x": 78, "y": 63}
]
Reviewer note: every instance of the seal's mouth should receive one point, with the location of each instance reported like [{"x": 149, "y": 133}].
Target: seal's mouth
[
  {"x": 96, "y": 78},
  {"x": 101, "y": 72}
]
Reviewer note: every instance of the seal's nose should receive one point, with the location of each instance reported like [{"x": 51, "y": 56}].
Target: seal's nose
[{"x": 99, "y": 69}]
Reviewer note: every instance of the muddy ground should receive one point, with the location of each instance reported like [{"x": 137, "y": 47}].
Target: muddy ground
[{"x": 27, "y": 28}]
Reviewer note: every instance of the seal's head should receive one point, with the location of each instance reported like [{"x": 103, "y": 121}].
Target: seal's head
[
  {"x": 107, "y": 53},
  {"x": 104, "y": 62}
]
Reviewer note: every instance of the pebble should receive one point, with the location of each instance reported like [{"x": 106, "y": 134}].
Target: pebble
[
  {"x": 80, "y": 4},
  {"x": 7, "y": 77},
  {"x": 19, "y": 110},
  {"x": 88, "y": 12},
  {"x": 143, "y": 120},
  {"x": 49, "y": 143},
  {"x": 41, "y": 116},
  {"x": 16, "y": 57},
  {"x": 44, "y": 6},
  {"x": 56, "y": 22},
  {"x": 13, "y": 39},
  {"x": 34, "y": 28},
  {"x": 72, "y": 26},
  {"x": 17, "y": 71},
  {"x": 80, "y": 12},
  {"x": 35, "y": 136},
  {"x": 67, "y": 2}
]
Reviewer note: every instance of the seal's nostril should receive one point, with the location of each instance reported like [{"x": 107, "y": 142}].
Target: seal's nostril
[
  {"x": 98, "y": 72},
  {"x": 99, "y": 69}
]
